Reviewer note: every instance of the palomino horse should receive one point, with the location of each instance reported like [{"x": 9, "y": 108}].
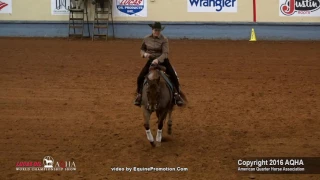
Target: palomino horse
[{"x": 157, "y": 97}]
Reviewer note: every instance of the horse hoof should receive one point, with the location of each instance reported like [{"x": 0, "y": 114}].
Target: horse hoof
[
  {"x": 152, "y": 144},
  {"x": 169, "y": 131}
]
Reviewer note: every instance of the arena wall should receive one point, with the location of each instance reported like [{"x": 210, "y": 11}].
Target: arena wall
[{"x": 35, "y": 18}]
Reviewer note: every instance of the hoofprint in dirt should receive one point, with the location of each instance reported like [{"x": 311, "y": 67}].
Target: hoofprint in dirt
[{"x": 73, "y": 100}]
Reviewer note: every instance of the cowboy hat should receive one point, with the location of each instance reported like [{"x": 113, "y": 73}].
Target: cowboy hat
[{"x": 156, "y": 25}]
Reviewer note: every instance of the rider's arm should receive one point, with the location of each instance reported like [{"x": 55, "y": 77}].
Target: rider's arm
[
  {"x": 143, "y": 48},
  {"x": 165, "y": 51}
]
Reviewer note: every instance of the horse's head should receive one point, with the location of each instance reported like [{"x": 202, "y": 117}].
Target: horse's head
[{"x": 153, "y": 89}]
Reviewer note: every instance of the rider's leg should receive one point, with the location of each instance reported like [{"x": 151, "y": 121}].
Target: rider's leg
[
  {"x": 170, "y": 71},
  {"x": 140, "y": 80}
]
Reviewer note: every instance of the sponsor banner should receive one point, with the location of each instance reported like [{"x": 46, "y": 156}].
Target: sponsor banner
[
  {"x": 229, "y": 6},
  {"x": 60, "y": 7},
  {"x": 295, "y": 8},
  {"x": 5, "y": 6},
  {"x": 130, "y": 8}
]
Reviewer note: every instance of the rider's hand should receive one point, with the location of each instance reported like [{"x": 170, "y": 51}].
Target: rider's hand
[
  {"x": 156, "y": 61},
  {"x": 147, "y": 55}
]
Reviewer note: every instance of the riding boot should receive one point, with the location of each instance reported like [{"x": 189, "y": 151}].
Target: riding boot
[
  {"x": 138, "y": 99},
  {"x": 177, "y": 97}
]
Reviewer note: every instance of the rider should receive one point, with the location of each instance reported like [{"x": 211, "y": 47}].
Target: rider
[{"x": 155, "y": 47}]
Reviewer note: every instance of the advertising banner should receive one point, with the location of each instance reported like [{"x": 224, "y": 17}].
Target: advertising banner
[
  {"x": 229, "y": 6},
  {"x": 130, "y": 8},
  {"x": 60, "y": 7},
  {"x": 5, "y": 6},
  {"x": 295, "y": 8}
]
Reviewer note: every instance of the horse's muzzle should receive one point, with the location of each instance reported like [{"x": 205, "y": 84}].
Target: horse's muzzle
[{"x": 152, "y": 107}]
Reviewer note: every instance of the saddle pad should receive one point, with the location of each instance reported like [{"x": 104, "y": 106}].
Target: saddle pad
[{"x": 165, "y": 77}]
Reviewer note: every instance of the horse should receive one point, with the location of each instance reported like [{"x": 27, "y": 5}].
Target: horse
[{"x": 157, "y": 96}]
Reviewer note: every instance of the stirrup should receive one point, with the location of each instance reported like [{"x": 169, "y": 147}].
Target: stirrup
[{"x": 178, "y": 99}]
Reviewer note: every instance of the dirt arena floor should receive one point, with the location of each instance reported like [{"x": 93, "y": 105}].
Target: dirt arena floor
[{"x": 73, "y": 101}]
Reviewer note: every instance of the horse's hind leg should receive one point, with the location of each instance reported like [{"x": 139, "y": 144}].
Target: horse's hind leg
[
  {"x": 170, "y": 122},
  {"x": 146, "y": 115}
]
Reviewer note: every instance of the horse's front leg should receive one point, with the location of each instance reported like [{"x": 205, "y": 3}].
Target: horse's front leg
[
  {"x": 161, "y": 118},
  {"x": 146, "y": 115}
]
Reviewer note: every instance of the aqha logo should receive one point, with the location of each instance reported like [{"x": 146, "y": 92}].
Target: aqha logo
[
  {"x": 2, "y": 5},
  {"x": 301, "y": 6}
]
